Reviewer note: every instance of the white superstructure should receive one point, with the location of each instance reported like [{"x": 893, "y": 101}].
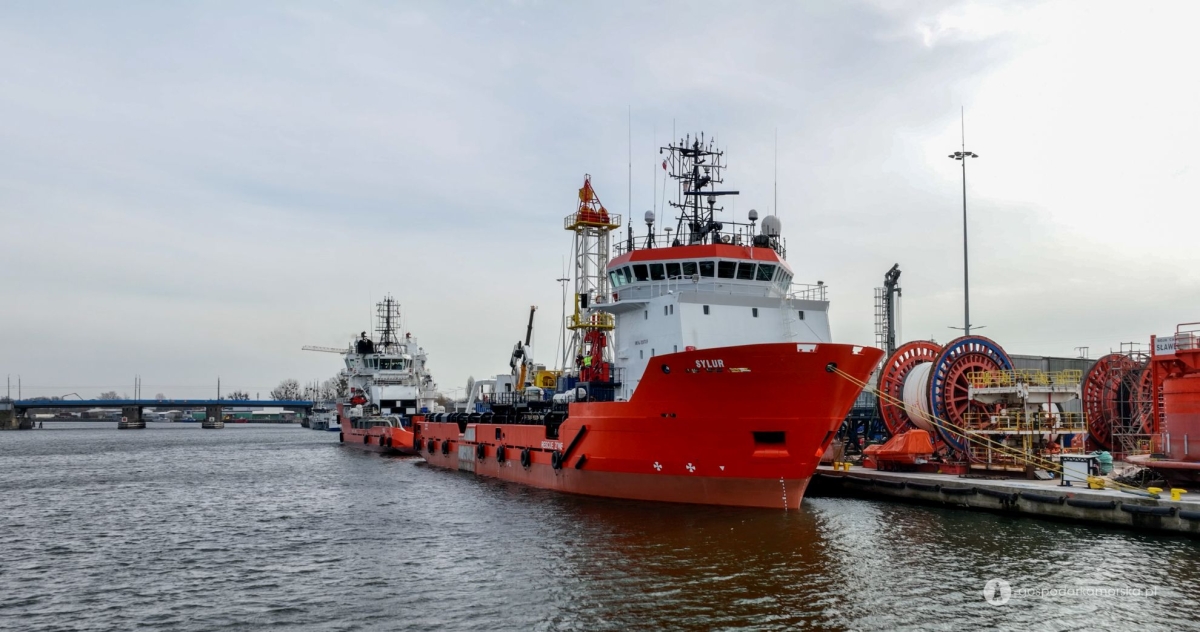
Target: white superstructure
[
  {"x": 707, "y": 296},
  {"x": 390, "y": 376},
  {"x": 705, "y": 284},
  {"x": 387, "y": 377}
]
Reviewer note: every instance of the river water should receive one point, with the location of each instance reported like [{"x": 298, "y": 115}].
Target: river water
[{"x": 178, "y": 528}]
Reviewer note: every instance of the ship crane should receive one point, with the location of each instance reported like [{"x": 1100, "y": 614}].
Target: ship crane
[{"x": 521, "y": 353}]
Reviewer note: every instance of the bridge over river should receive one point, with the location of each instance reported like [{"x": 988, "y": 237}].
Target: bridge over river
[{"x": 16, "y": 415}]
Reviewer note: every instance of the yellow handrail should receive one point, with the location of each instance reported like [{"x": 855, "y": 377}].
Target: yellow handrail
[
  {"x": 1019, "y": 421},
  {"x": 1033, "y": 377}
]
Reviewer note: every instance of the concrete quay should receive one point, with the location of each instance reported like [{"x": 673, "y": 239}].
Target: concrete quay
[{"x": 1039, "y": 499}]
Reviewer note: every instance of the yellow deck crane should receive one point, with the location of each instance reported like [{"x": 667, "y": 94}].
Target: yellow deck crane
[{"x": 520, "y": 357}]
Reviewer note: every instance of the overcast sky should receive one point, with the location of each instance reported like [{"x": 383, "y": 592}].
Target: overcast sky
[{"x": 194, "y": 190}]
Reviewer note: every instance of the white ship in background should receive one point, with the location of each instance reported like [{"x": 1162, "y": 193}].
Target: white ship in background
[{"x": 388, "y": 384}]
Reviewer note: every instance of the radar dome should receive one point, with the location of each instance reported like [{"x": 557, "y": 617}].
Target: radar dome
[
  {"x": 649, "y": 217},
  {"x": 771, "y": 226},
  {"x": 753, "y": 215}
]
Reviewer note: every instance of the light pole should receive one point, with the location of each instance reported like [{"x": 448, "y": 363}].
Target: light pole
[{"x": 962, "y": 156}]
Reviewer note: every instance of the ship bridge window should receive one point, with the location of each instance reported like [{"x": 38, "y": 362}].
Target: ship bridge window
[
  {"x": 708, "y": 269},
  {"x": 656, "y": 272},
  {"x": 614, "y": 277},
  {"x": 627, "y": 275},
  {"x": 745, "y": 271},
  {"x": 673, "y": 271},
  {"x": 765, "y": 272},
  {"x": 689, "y": 268},
  {"x": 640, "y": 273},
  {"x": 726, "y": 269}
]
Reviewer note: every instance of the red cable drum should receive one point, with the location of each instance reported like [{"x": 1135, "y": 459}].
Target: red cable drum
[
  {"x": 949, "y": 388},
  {"x": 1104, "y": 399},
  {"x": 891, "y": 381}
]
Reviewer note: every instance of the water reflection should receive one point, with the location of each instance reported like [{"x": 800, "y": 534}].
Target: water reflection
[{"x": 178, "y": 528}]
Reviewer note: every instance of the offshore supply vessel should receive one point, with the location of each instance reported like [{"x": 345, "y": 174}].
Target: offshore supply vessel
[
  {"x": 388, "y": 386},
  {"x": 697, "y": 371}
]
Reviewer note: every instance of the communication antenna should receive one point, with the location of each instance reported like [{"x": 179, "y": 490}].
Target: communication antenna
[
  {"x": 775, "y": 207},
  {"x": 387, "y": 319},
  {"x": 562, "y": 325},
  {"x": 654, "y": 186}
]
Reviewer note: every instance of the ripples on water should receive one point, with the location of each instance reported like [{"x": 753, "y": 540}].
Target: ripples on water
[{"x": 179, "y": 528}]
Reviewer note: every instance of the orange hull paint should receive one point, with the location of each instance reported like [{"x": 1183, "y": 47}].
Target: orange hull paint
[
  {"x": 687, "y": 435},
  {"x": 378, "y": 439}
]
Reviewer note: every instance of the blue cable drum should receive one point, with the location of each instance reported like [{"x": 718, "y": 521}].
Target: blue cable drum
[{"x": 949, "y": 396}]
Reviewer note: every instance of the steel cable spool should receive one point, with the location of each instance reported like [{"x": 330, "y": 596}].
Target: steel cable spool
[
  {"x": 892, "y": 378},
  {"x": 949, "y": 388},
  {"x": 1103, "y": 397},
  {"x": 916, "y": 399},
  {"x": 1144, "y": 409}
]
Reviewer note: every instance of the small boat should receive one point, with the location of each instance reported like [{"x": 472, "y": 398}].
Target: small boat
[{"x": 323, "y": 417}]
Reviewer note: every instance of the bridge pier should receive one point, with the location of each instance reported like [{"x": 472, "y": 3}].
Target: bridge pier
[
  {"x": 214, "y": 417},
  {"x": 131, "y": 418},
  {"x": 8, "y": 417}
]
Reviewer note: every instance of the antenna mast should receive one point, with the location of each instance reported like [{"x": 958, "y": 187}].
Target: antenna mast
[
  {"x": 697, "y": 165},
  {"x": 387, "y": 318}
]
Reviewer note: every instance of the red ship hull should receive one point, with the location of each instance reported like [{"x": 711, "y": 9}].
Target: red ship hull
[
  {"x": 383, "y": 439},
  {"x": 741, "y": 426}
]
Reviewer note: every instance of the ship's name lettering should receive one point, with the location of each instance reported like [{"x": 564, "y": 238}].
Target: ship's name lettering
[{"x": 709, "y": 364}]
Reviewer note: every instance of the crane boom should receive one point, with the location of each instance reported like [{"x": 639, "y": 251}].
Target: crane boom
[
  {"x": 323, "y": 349},
  {"x": 525, "y": 350}
]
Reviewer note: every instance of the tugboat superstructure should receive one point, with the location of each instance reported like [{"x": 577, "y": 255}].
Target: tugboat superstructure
[
  {"x": 696, "y": 371},
  {"x": 388, "y": 386}
]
